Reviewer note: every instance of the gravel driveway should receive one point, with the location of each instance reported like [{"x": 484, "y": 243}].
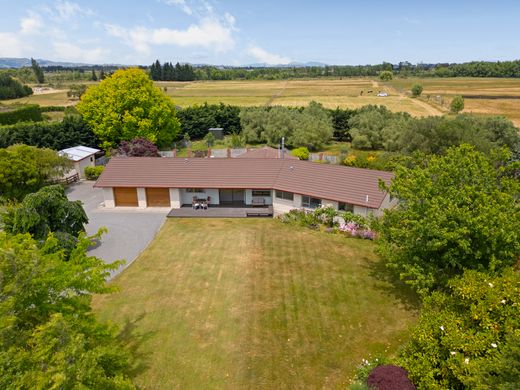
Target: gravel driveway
[{"x": 129, "y": 231}]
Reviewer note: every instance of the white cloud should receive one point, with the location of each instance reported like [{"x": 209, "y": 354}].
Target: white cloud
[
  {"x": 209, "y": 32},
  {"x": 70, "y": 52},
  {"x": 11, "y": 45},
  {"x": 266, "y": 57},
  {"x": 31, "y": 23},
  {"x": 66, "y": 10},
  {"x": 181, "y": 4}
]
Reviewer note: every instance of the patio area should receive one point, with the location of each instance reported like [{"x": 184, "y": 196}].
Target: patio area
[{"x": 222, "y": 211}]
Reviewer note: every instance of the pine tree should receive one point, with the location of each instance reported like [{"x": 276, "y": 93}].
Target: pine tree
[
  {"x": 93, "y": 77},
  {"x": 38, "y": 72}
]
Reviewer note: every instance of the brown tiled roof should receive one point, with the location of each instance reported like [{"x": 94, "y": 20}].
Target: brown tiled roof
[
  {"x": 332, "y": 182},
  {"x": 266, "y": 152}
]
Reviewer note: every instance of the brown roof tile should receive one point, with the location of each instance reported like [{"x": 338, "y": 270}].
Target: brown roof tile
[
  {"x": 333, "y": 182},
  {"x": 266, "y": 152}
]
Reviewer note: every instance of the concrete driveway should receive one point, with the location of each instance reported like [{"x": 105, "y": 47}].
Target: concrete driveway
[{"x": 129, "y": 231}]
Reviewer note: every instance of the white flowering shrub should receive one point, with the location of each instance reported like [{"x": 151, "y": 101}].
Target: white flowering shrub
[{"x": 468, "y": 336}]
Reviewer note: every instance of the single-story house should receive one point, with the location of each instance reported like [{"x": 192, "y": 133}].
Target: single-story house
[
  {"x": 282, "y": 183},
  {"x": 82, "y": 156}
]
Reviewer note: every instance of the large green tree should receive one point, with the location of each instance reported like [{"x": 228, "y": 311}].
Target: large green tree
[
  {"x": 468, "y": 337},
  {"x": 25, "y": 169},
  {"x": 49, "y": 337},
  {"x": 455, "y": 212},
  {"x": 314, "y": 127},
  {"x": 127, "y": 105},
  {"x": 47, "y": 210}
]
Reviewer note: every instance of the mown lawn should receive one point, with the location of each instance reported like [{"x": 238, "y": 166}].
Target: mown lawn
[{"x": 247, "y": 303}]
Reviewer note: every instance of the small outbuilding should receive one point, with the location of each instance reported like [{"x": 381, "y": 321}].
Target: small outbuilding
[
  {"x": 218, "y": 132},
  {"x": 82, "y": 156}
]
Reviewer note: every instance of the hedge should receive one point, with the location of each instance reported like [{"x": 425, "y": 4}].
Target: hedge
[
  {"x": 72, "y": 131},
  {"x": 52, "y": 108},
  {"x": 30, "y": 112}
]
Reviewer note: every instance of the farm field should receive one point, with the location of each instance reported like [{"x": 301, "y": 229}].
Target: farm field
[
  {"x": 331, "y": 93},
  {"x": 446, "y": 88},
  {"x": 248, "y": 303}
]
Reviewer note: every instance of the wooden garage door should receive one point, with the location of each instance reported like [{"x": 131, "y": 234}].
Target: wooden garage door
[
  {"x": 125, "y": 196},
  {"x": 158, "y": 197}
]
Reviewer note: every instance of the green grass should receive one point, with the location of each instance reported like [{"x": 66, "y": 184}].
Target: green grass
[{"x": 254, "y": 303}]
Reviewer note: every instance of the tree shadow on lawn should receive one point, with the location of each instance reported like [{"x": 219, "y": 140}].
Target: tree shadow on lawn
[
  {"x": 393, "y": 285},
  {"x": 132, "y": 341}
]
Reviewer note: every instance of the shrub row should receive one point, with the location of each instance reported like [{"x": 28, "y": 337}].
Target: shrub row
[
  {"x": 52, "y": 108},
  {"x": 72, "y": 131},
  {"x": 30, "y": 112}
]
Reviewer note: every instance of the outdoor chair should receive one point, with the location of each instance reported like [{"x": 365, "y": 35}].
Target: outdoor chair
[
  {"x": 194, "y": 203},
  {"x": 204, "y": 205}
]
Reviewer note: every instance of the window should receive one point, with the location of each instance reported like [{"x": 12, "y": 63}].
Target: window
[
  {"x": 284, "y": 195},
  {"x": 310, "y": 203},
  {"x": 261, "y": 193},
  {"x": 346, "y": 207},
  {"x": 200, "y": 190}
]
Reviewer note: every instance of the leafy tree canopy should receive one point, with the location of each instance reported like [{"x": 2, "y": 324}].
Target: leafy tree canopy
[
  {"x": 469, "y": 336},
  {"x": 127, "y": 105},
  {"x": 455, "y": 212},
  {"x": 386, "y": 75},
  {"x": 12, "y": 89},
  {"x": 25, "y": 169},
  {"x": 310, "y": 127},
  {"x": 47, "y": 210},
  {"x": 457, "y": 104},
  {"x": 417, "y": 90},
  {"x": 49, "y": 337},
  {"x": 138, "y": 147}
]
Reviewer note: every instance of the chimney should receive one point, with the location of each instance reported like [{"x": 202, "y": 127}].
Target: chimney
[
  {"x": 228, "y": 152},
  {"x": 209, "y": 152},
  {"x": 174, "y": 152},
  {"x": 321, "y": 156},
  {"x": 189, "y": 152}
]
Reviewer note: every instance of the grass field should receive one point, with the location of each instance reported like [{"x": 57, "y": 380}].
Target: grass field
[
  {"x": 254, "y": 303},
  {"x": 331, "y": 93},
  {"x": 446, "y": 88}
]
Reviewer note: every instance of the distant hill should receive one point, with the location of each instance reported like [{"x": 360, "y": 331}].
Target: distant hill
[{"x": 21, "y": 62}]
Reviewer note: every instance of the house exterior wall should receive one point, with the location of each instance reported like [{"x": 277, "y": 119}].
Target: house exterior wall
[
  {"x": 387, "y": 203},
  {"x": 281, "y": 206},
  {"x": 249, "y": 196},
  {"x": 187, "y": 197},
  {"x": 175, "y": 198},
  {"x": 108, "y": 195},
  {"x": 329, "y": 203},
  {"x": 141, "y": 198},
  {"x": 80, "y": 165}
]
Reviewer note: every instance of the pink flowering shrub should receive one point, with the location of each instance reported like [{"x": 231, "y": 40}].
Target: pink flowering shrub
[{"x": 355, "y": 230}]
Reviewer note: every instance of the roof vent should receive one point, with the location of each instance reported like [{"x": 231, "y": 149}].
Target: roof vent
[
  {"x": 185, "y": 160},
  {"x": 291, "y": 167}
]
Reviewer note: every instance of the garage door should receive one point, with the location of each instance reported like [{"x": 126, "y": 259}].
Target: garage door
[
  {"x": 158, "y": 197},
  {"x": 125, "y": 196}
]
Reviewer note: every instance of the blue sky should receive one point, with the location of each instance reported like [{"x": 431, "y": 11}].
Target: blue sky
[{"x": 266, "y": 31}]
